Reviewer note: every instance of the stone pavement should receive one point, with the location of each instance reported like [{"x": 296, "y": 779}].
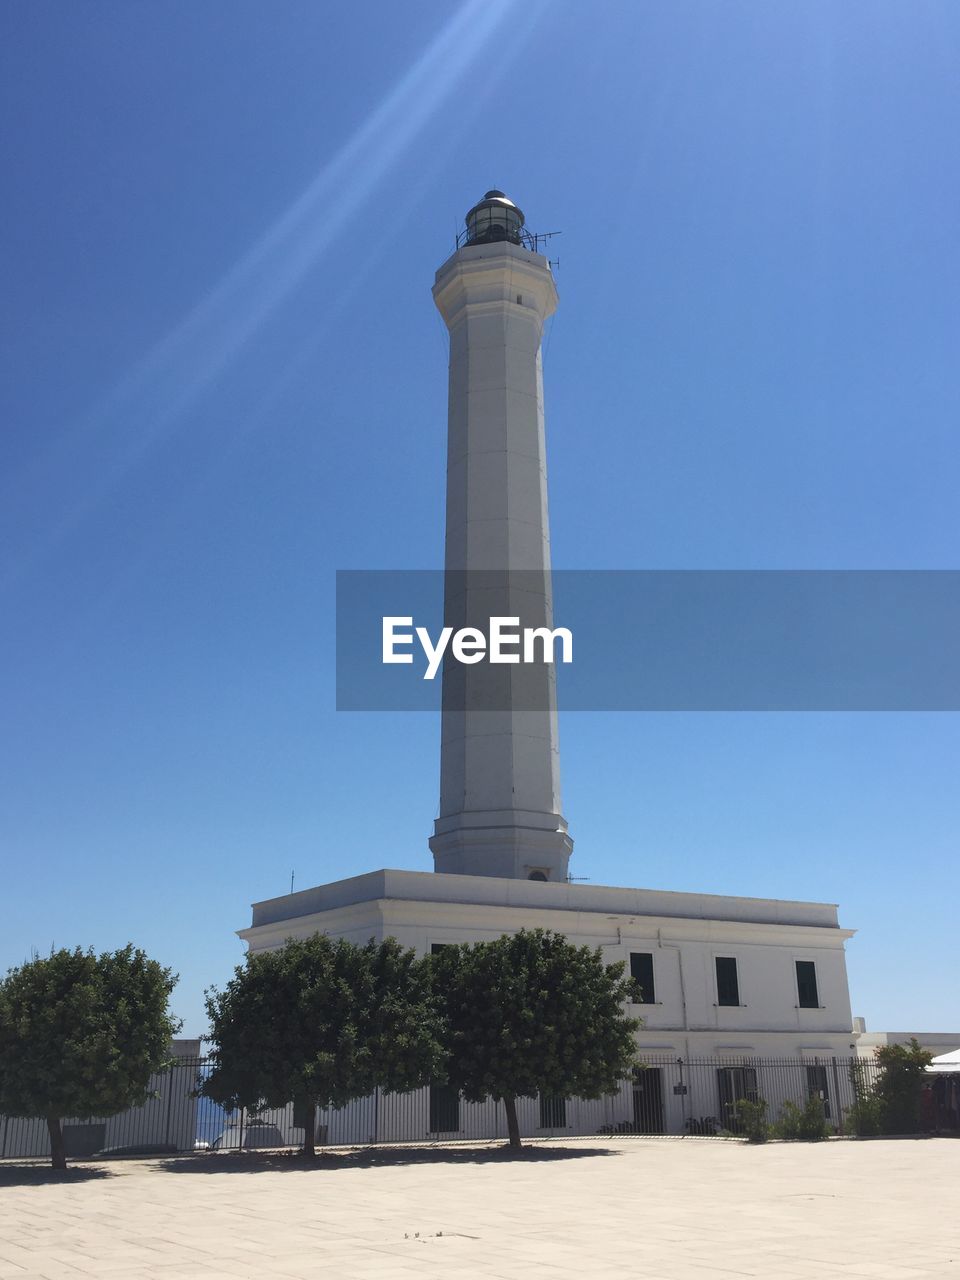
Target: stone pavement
[{"x": 662, "y": 1209}]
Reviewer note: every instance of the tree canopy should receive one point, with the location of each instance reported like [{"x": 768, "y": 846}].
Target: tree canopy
[
  {"x": 532, "y": 1013},
  {"x": 81, "y": 1034},
  {"x": 322, "y": 1022},
  {"x": 897, "y": 1088}
]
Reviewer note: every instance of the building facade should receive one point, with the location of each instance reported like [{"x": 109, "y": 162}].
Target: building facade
[
  {"x": 718, "y": 974},
  {"x": 740, "y": 995}
]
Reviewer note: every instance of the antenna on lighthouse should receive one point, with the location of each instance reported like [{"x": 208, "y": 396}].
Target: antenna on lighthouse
[{"x": 496, "y": 220}]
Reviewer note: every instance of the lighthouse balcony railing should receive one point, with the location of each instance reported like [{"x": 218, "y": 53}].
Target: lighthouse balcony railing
[{"x": 535, "y": 242}]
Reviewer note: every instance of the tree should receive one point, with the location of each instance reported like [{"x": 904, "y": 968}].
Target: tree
[
  {"x": 532, "y": 1013},
  {"x": 81, "y": 1035},
  {"x": 320, "y": 1022},
  {"x": 898, "y": 1084}
]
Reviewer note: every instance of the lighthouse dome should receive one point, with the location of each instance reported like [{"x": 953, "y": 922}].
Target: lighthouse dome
[{"x": 494, "y": 218}]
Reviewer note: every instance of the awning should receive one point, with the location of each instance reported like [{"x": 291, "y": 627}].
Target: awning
[{"x": 946, "y": 1062}]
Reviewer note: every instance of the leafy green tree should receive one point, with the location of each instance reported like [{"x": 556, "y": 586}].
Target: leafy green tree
[
  {"x": 532, "y": 1013},
  {"x": 81, "y": 1035},
  {"x": 320, "y": 1022},
  {"x": 898, "y": 1085}
]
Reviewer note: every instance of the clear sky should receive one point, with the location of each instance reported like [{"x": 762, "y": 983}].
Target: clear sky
[{"x": 224, "y": 378}]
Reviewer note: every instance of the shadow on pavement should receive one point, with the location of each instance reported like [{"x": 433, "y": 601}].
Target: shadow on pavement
[
  {"x": 376, "y": 1157},
  {"x": 38, "y": 1175}
]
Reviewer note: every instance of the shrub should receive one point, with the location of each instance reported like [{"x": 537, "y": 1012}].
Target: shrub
[
  {"x": 751, "y": 1119},
  {"x": 702, "y": 1126},
  {"x": 865, "y": 1117},
  {"x": 807, "y": 1123}
]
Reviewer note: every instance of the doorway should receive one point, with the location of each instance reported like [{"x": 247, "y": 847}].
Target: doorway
[
  {"x": 647, "y": 1100},
  {"x": 817, "y": 1087},
  {"x": 735, "y": 1084}
]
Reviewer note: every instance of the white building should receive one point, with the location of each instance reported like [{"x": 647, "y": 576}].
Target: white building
[
  {"x": 741, "y": 976},
  {"x": 935, "y": 1042},
  {"x": 728, "y": 977}
]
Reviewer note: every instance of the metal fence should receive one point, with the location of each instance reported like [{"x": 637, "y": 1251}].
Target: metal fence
[
  {"x": 667, "y": 1095},
  {"x": 699, "y": 1095},
  {"x": 167, "y": 1122}
]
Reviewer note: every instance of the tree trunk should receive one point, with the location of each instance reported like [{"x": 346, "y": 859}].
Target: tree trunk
[
  {"x": 310, "y": 1127},
  {"x": 513, "y": 1125},
  {"x": 58, "y": 1156}
]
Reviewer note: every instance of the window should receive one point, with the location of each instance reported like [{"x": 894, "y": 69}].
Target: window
[
  {"x": 444, "y": 1109},
  {"x": 437, "y": 947},
  {"x": 807, "y": 985},
  {"x": 537, "y": 875},
  {"x": 728, "y": 986},
  {"x": 553, "y": 1111},
  {"x": 641, "y": 971}
]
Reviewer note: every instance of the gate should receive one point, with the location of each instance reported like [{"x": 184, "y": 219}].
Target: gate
[{"x": 648, "y": 1100}]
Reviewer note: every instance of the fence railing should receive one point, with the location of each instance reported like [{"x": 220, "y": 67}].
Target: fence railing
[
  {"x": 667, "y": 1095},
  {"x": 166, "y": 1123}
]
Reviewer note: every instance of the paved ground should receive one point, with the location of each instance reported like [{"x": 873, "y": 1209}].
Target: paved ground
[{"x": 662, "y": 1209}]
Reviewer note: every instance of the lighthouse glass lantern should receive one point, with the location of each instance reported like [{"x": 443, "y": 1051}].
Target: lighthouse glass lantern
[{"x": 494, "y": 218}]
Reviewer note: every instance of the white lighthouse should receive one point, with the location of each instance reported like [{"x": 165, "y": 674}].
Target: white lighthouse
[
  {"x": 723, "y": 977},
  {"x": 499, "y": 761}
]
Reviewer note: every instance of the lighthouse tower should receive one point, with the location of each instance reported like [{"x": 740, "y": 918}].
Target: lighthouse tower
[
  {"x": 739, "y": 978},
  {"x": 499, "y": 764}
]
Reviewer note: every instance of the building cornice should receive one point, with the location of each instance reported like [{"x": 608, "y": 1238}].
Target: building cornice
[
  {"x": 603, "y": 929},
  {"x": 455, "y": 891}
]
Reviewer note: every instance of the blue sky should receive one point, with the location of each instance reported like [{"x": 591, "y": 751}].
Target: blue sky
[{"x": 225, "y": 379}]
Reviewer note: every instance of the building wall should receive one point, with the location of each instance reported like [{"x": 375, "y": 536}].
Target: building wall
[
  {"x": 687, "y": 1018},
  {"x": 935, "y": 1042}
]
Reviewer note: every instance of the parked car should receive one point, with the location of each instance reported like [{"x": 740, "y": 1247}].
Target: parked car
[{"x": 251, "y": 1136}]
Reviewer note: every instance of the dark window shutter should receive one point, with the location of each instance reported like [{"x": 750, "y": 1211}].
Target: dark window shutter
[
  {"x": 641, "y": 970},
  {"x": 444, "y": 1109},
  {"x": 553, "y": 1111},
  {"x": 809, "y": 997},
  {"x": 728, "y": 987}
]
